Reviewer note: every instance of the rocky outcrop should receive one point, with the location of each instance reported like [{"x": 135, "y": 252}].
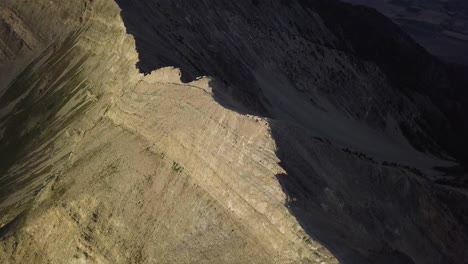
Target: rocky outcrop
[{"x": 291, "y": 151}]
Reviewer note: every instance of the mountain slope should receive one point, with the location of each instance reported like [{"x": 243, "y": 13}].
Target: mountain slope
[{"x": 303, "y": 146}]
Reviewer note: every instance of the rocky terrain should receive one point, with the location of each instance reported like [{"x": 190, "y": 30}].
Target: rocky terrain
[
  {"x": 261, "y": 131},
  {"x": 441, "y": 26}
]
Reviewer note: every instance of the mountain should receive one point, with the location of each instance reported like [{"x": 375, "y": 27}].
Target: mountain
[
  {"x": 440, "y": 26},
  {"x": 261, "y": 131}
]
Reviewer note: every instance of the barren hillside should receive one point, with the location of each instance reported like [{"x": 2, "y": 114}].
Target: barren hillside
[{"x": 210, "y": 131}]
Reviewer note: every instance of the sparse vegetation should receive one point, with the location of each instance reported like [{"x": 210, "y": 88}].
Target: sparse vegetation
[
  {"x": 360, "y": 155},
  {"x": 177, "y": 167}
]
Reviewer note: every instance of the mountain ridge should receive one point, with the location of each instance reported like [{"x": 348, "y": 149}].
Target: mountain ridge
[{"x": 290, "y": 152}]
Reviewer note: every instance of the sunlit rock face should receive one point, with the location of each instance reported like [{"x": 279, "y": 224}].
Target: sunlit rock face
[{"x": 303, "y": 145}]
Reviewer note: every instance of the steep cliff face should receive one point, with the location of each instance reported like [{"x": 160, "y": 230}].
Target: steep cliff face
[{"x": 292, "y": 151}]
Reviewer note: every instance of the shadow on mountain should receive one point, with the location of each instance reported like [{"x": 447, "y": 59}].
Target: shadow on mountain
[
  {"x": 174, "y": 37},
  {"x": 330, "y": 230},
  {"x": 409, "y": 67},
  {"x": 361, "y": 211},
  {"x": 344, "y": 207}
]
